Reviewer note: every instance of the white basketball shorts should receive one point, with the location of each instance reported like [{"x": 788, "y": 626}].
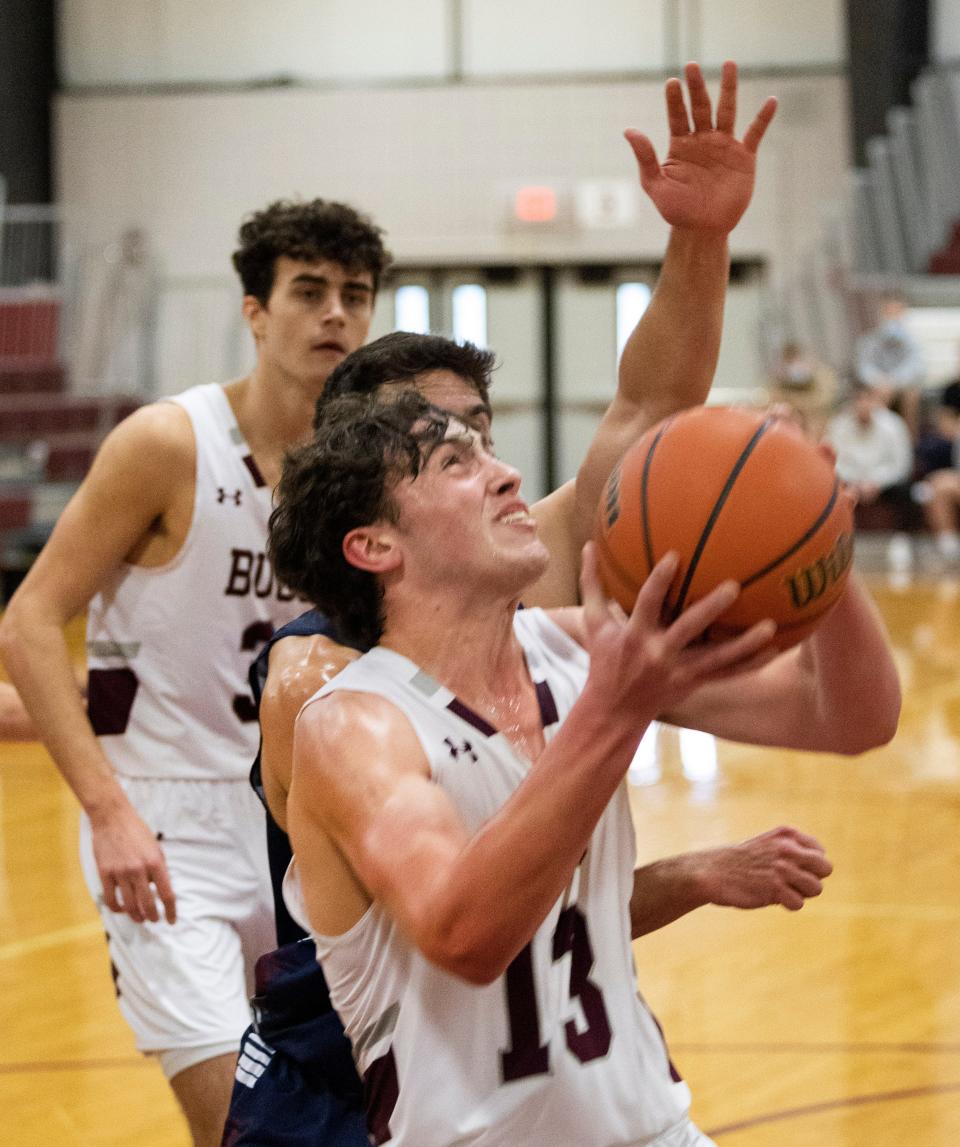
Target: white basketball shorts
[{"x": 187, "y": 984}]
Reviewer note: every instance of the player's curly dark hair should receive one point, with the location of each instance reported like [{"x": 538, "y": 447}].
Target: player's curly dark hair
[
  {"x": 404, "y": 356},
  {"x": 342, "y": 479},
  {"x": 310, "y": 231}
]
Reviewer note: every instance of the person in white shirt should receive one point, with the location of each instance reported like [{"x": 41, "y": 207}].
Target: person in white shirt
[{"x": 873, "y": 447}]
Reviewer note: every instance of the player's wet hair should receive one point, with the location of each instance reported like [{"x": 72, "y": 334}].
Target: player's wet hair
[
  {"x": 402, "y": 357},
  {"x": 309, "y": 231},
  {"x": 344, "y": 478}
]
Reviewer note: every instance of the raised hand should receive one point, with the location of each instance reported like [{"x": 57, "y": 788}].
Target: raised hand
[{"x": 706, "y": 181}]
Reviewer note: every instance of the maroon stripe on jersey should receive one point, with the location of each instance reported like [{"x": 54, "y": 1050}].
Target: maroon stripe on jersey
[
  {"x": 381, "y": 1090},
  {"x": 251, "y": 465},
  {"x": 110, "y": 697},
  {"x": 548, "y": 707},
  {"x": 474, "y": 719}
]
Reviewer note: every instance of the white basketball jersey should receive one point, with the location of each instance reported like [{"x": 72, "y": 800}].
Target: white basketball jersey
[
  {"x": 168, "y": 648},
  {"x": 560, "y": 1050}
]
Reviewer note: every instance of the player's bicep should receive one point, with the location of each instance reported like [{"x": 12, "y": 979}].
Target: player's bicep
[{"x": 361, "y": 777}]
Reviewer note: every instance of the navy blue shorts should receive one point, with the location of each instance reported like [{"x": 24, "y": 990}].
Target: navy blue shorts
[
  {"x": 274, "y": 1104},
  {"x": 296, "y": 1085}
]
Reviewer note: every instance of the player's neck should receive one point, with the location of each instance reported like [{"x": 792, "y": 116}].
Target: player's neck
[
  {"x": 273, "y": 416},
  {"x": 471, "y": 649}
]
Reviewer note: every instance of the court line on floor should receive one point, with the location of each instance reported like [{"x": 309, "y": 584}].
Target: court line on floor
[
  {"x": 14, "y": 948},
  {"x": 28, "y": 1067},
  {"x": 834, "y": 1105}
]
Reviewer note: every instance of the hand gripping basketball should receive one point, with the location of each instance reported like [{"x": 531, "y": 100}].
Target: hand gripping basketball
[
  {"x": 737, "y": 494},
  {"x": 650, "y": 661}
]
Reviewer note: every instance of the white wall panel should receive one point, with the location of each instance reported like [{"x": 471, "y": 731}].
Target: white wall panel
[
  {"x": 431, "y": 164},
  {"x": 535, "y": 37},
  {"x": 107, "y": 42},
  {"x": 945, "y": 31},
  {"x": 766, "y": 32}
]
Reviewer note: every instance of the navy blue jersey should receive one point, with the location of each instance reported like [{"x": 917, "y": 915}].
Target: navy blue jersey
[{"x": 308, "y": 624}]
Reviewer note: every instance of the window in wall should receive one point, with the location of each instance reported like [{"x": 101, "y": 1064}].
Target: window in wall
[
  {"x": 632, "y": 300},
  {"x": 470, "y": 313},
  {"x": 411, "y": 309}
]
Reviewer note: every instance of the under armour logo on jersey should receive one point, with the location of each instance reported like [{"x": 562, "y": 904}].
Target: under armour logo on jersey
[
  {"x": 464, "y": 749},
  {"x": 223, "y": 495}
]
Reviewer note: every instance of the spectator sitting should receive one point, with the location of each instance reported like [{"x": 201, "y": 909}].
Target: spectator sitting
[
  {"x": 805, "y": 384},
  {"x": 890, "y": 361},
  {"x": 874, "y": 458},
  {"x": 939, "y": 492}
]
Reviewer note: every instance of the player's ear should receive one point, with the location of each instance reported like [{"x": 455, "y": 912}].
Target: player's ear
[
  {"x": 254, "y": 313},
  {"x": 372, "y": 548}
]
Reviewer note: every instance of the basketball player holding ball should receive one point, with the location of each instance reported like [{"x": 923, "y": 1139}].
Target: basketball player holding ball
[{"x": 457, "y": 809}]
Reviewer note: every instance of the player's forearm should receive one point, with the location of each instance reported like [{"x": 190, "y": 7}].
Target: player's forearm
[
  {"x": 855, "y": 686},
  {"x": 663, "y": 892},
  {"x": 670, "y": 358},
  {"x": 496, "y": 892},
  {"x": 36, "y": 657}
]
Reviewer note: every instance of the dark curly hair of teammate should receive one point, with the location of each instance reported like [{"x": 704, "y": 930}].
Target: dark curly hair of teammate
[
  {"x": 341, "y": 480},
  {"x": 309, "y": 231}
]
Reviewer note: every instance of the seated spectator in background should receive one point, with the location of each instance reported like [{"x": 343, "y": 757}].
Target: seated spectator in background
[
  {"x": 937, "y": 446},
  {"x": 939, "y": 492},
  {"x": 890, "y": 361},
  {"x": 874, "y": 457},
  {"x": 805, "y": 384}
]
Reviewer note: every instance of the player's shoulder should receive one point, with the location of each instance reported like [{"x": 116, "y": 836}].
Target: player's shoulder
[
  {"x": 349, "y": 729},
  {"x": 299, "y": 666},
  {"x": 158, "y": 437}
]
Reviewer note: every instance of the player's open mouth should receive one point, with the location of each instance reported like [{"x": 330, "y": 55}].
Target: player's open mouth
[
  {"x": 332, "y": 346},
  {"x": 519, "y": 517}
]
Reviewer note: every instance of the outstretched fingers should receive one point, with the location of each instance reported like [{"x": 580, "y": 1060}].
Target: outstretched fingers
[
  {"x": 727, "y": 103},
  {"x": 699, "y": 98},
  {"x": 676, "y": 109},
  {"x": 645, "y": 155},
  {"x": 755, "y": 132}
]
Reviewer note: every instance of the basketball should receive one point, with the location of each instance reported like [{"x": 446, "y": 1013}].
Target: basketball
[{"x": 737, "y": 494}]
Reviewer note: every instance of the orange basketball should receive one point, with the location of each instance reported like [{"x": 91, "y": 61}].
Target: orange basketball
[{"x": 737, "y": 494}]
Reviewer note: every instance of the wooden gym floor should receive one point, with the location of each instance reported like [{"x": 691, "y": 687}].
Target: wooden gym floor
[{"x": 838, "y": 1026}]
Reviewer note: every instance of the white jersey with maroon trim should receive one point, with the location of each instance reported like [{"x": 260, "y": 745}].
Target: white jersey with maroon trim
[
  {"x": 168, "y": 648},
  {"x": 560, "y": 1050}
]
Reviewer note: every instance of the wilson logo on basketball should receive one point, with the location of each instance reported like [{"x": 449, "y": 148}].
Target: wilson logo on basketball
[{"x": 812, "y": 582}]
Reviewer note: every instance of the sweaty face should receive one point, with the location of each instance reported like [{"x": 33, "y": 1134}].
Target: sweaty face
[
  {"x": 316, "y": 315},
  {"x": 462, "y": 520},
  {"x": 459, "y": 397}
]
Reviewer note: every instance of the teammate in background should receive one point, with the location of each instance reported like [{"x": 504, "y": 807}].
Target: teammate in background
[
  {"x": 163, "y": 545},
  {"x": 454, "y": 836}
]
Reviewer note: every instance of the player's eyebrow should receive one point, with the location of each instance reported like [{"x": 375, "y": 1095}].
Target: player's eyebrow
[{"x": 322, "y": 281}]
